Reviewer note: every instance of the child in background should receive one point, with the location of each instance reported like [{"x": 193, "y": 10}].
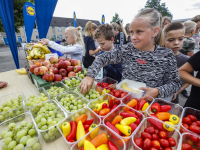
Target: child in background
[
  {"x": 89, "y": 44},
  {"x": 165, "y": 21},
  {"x": 120, "y": 34},
  {"x": 173, "y": 39},
  {"x": 127, "y": 28},
  {"x": 145, "y": 62},
  {"x": 75, "y": 47},
  {"x": 105, "y": 37},
  {"x": 196, "y": 36},
  {"x": 188, "y": 42}
]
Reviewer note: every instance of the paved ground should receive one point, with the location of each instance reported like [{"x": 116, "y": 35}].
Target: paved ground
[{"x": 7, "y": 63}]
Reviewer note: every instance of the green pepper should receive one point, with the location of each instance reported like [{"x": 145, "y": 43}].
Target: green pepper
[{"x": 124, "y": 129}]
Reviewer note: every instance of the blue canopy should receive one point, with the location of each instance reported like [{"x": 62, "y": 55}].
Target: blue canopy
[
  {"x": 103, "y": 19},
  {"x": 44, "y": 11},
  {"x": 7, "y": 17}
]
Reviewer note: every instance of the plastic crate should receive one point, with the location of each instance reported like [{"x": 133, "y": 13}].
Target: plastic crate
[
  {"x": 70, "y": 78},
  {"x": 186, "y": 138}
]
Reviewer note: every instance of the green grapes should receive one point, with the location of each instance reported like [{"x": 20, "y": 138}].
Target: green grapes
[
  {"x": 93, "y": 94},
  {"x": 54, "y": 91},
  {"x": 72, "y": 82},
  {"x": 33, "y": 100}
]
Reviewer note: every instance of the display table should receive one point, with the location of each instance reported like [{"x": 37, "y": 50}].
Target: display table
[{"x": 21, "y": 83}]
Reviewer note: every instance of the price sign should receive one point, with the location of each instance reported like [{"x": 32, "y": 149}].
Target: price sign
[{"x": 48, "y": 56}]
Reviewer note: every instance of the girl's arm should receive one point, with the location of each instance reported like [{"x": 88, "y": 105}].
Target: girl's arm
[
  {"x": 185, "y": 85},
  {"x": 172, "y": 82},
  {"x": 185, "y": 75},
  {"x": 92, "y": 52},
  {"x": 76, "y": 49}
]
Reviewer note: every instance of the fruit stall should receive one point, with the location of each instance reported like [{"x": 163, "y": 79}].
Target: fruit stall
[{"x": 111, "y": 116}]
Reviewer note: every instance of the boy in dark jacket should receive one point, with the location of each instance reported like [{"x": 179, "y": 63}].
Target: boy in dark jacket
[{"x": 105, "y": 37}]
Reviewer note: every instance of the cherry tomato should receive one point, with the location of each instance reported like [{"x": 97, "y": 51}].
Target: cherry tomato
[
  {"x": 145, "y": 135},
  {"x": 138, "y": 142},
  {"x": 146, "y": 144},
  {"x": 164, "y": 143},
  {"x": 186, "y": 120},
  {"x": 150, "y": 130},
  {"x": 192, "y": 117},
  {"x": 163, "y": 134},
  {"x": 155, "y": 143},
  {"x": 171, "y": 141},
  {"x": 155, "y": 137}
]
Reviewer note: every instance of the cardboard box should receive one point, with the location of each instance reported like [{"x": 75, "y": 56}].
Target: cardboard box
[{"x": 33, "y": 62}]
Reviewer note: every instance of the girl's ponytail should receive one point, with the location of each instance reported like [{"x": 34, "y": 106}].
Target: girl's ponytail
[
  {"x": 88, "y": 29},
  {"x": 123, "y": 30},
  {"x": 80, "y": 39},
  {"x": 117, "y": 25}
]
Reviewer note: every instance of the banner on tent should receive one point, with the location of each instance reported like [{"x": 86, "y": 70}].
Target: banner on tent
[
  {"x": 103, "y": 19},
  {"x": 29, "y": 19},
  {"x": 74, "y": 19}
]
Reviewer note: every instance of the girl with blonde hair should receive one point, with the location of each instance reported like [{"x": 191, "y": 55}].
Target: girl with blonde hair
[
  {"x": 121, "y": 36},
  {"x": 74, "y": 39},
  {"x": 165, "y": 21},
  {"x": 90, "y": 47}
]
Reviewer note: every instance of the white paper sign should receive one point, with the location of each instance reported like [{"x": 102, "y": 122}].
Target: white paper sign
[
  {"x": 100, "y": 74},
  {"x": 48, "y": 56}
]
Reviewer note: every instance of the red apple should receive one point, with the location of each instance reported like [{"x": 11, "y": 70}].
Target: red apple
[
  {"x": 43, "y": 70},
  {"x": 57, "y": 77},
  {"x": 36, "y": 71},
  {"x": 65, "y": 78},
  {"x": 68, "y": 63},
  {"x": 55, "y": 65},
  {"x": 44, "y": 63},
  {"x": 69, "y": 59},
  {"x": 53, "y": 60},
  {"x": 32, "y": 68},
  {"x": 71, "y": 74},
  {"x": 61, "y": 59},
  {"x": 63, "y": 72},
  {"x": 48, "y": 66},
  {"x": 54, "y": 70},
  {"x": 76, "y": 62},
  {"x": 62, "y": 64},
  {"x": 48, "y": 76},
  {"x": 70, "y": 68},
  {"x": 77, "y": 69}
]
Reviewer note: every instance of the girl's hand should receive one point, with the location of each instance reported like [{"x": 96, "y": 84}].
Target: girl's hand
[
  {"x": 175, "y": 96},
  {"x": 86, "y": 84},
  {"x": 44, "y": 41},
  {"x": 153, "y": 92}
]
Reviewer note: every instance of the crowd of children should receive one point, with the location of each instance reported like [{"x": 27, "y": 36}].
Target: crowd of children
[{"x": 151, "y": 49}]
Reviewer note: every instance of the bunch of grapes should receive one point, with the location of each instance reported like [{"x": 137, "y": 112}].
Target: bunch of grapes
[
  {"x": 11, "y": 108},
  {"x": 81, "y": 74},
  {"x": 54, "y": 91},
  {"x": 71, "y": 102},
  {"x": 73, "y": 82},
  {"x": 33, "y": 100},
  {"x": 18, "y": 137},
  {"x": 93, "y": 94},
  {"x": 46, "y": 116}
]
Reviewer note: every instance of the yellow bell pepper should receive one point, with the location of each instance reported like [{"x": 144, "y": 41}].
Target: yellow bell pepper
[
  {"x": 103, "y": 92},
  {"x": 80, "y": 133},
  {"x": 168, "y": 126},
  {"x": 145, "y": 106},
  {"x": 124, "y": 129},
  {"x": 103, "y": 147},
  {"x": 108, "y": 91},
  {"x": 88, "y": 145},
  {"x": 98, "y": 107},
  {"x": 174, "y": 119},
  {"x": 127, "y": 121},
  {"x": 94, "y": 133},
  {"x": 66, "y": 128}
]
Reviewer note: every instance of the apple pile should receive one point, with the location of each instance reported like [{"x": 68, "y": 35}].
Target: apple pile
[{"x": 57, "y": 69}]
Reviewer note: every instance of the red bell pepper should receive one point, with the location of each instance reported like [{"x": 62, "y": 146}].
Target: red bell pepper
[
  {"x": 117, "y": 94},
  {"x": 86, "y": 127},
  {"x": 111, "y": 145},
  {"x": 111, "y": 126},
  {"x": 82, "y": 148},
  {"x": 155, "y": 123},
  {"x": 125, "y": 115},
  {"x": 133, "y": 127},
  {"x": 141, "y": 104},
  {"x": 155, "y": 108},
  {"x": 104, "y": 106},
  {"x": 104, "y": 85},
  {"x": 111, "y": 103},
  {"x": 99, "y": 84},
  {"x": 165, "y": 108},
  {"x": 72, "y": 135},
  {"x": 89, "y": 122},
  {"x": 137, "y": 105}
]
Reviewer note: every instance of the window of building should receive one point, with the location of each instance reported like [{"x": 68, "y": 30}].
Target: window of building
[
  {"x": 37, "y": 37},
  {"x": 83, "y": 28},
  {"x": 60, "y": 37},
  {"x": 53, "y": 27},
  {"x": 59, "y": 28}
]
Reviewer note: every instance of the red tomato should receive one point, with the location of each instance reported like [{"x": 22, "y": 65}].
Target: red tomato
[
  {"x": 146, "y": 144},
  {"x": 198, "y": 122},
  {"x": 155, "y": 137},
  {"x": 117, "y": 94},
  {"x": 164, "y": 143},
  {"x": 161, "y": 148},
  {"x": 123, "y": 94},
  {"x": 145, "y": 135},
  {"x": 156, "y": 131},
  {"x": 192, "y": 117},
  {"x": 163, "y": 134},
  {"x": 121, "y": 91},
  {"x": 114, "y": 91},
  {"x": 138, "y": 142},
  {"x": 137, "y": 121},
  {"x": 194, "y": 123},
  {"x": 150, "y": 130},
  {"x": 186, "y": 126},
  {"x": 153, "y": 148},
  {"x": 171, "y": 141},
  {"x": 186, "y": 146},
  {"x": 155, "y": 144},
  {"x": 117, "y": 101},
  {"x": 186, "y": 120},
  {"x": 194, "y": 138},
  {"x": 168, "y": 148},
  {"x": 195, "y": 129},
  {"x": 198, "y": 145}
]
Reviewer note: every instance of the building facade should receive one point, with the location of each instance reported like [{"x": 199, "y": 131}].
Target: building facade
[{"x": 56, "y": 30}]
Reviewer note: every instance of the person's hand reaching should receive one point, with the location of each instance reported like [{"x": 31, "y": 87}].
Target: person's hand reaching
[
  {"x": 153, "y": 92},
  {"x": 86, "y": 84},
  {"x": 44, "y": 41}
]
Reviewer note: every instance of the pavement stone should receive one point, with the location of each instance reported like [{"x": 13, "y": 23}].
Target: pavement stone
[{"x": 7, "y": 64}]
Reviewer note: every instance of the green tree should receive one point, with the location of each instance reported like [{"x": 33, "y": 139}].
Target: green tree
[
  {"x": 161, "y": 7},
  {"x": 18, "y": 14},
  {"x": 116, "y": 18}
]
